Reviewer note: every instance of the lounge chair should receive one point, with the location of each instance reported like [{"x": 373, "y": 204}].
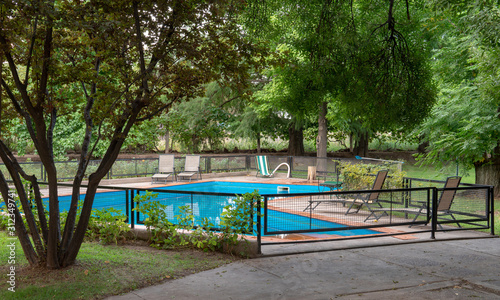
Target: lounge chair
[
  {"x": 165, "y": 168},
  {"x": 191, "y": 167},
  {"x": 372, "y": 198},
  {"x": 444, "y": 203},
  {"x": 363, "y": 199},
  {"x": 263, "y": 167}
]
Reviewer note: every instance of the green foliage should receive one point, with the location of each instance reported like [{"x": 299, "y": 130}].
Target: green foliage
[
  {"x": 89, "y": 71},
  {"x": 4, "y": 219},
  {"x": 199, "y": 236},
  {"x": 464, "y": 126},
  {"x": 375, "y": 75},
  {"x": 236, "y": 221},
  {"x": 197, "y": 123},
  {"x": 108, "y": 226},
  {"x": 237, "y": 218},
  {"x": 360, "y": 176},
  {"x": 143, "y": 137},
  {"x": 163, "y": 232}
]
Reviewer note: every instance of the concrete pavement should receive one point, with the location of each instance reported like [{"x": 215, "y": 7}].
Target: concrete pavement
[{"x": 434, "y": 269}]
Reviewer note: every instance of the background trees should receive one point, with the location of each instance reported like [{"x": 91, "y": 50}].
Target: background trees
[
  {"x": 108, "y": 65},
  {"x": 464, "y": 125},
  {"x": 368, "y": 59}
]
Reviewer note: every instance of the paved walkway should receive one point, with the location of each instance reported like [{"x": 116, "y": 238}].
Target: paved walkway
[{"x": 447, "y": 269}]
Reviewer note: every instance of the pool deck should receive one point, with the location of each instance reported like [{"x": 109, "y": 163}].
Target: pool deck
[{"x": 454, "y": 265}]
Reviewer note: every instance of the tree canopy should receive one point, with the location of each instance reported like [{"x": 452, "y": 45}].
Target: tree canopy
[
  {"x": 92, "y": 71},
  {"x": 110, "y": 65},
  {"x": 464, "y": 125},
  {"x": 368, "y": 58}
]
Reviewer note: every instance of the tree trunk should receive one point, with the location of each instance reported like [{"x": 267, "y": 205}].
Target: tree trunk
[
  {"x": 258, "y": 143},
  {"x": 361, "y": 147},
  {"x": 488, "y": 173},
  {"x": 296, "y": 140},
  {"x": 322, "y": 140},
  {"x": 167, "y": 141}
]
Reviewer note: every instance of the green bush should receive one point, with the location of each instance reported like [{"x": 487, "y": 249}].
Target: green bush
[
  {"x": 163, "y": 233},
  {"x": 107, "y": 225},
  {"x": 4, "y": 220},
  {"x": 360, "y": 176},
  {"x": 236, "y": 220}
]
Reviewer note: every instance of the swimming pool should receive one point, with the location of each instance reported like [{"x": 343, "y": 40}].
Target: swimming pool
[
  {"x": 209, "y": 199},
  {"x": 243, "y": 187}
]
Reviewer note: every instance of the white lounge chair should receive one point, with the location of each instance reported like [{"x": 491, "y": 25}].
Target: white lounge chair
[
  {"x": 191, "y": 167},
  {"x": 165, "y": 168}
]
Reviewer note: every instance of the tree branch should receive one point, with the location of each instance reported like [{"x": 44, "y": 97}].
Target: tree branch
[{"x": 30, "y": 53}]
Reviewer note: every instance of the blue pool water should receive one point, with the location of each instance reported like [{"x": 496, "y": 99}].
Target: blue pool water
[
  {"x": 243, "y": 187},
  {"x": 211, "y": 206}
]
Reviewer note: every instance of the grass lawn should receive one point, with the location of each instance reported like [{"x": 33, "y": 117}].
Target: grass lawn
[
  {"x": 430, "y": 172},
  {"x": 101, "y": 270}
]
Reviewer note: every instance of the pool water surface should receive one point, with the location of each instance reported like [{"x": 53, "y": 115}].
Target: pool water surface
[{"x": 211, "y": 206}]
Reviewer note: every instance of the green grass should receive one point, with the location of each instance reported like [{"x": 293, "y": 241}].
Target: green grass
[
  {"x": 431, "y": 172},
  {"x": 102, "y": 270}
]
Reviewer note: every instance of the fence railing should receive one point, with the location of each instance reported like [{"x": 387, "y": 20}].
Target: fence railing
[
  {"x": 339, "y": 214},
  {"x": 140, "y": 167},
  {"x": 355, "y": 214}
]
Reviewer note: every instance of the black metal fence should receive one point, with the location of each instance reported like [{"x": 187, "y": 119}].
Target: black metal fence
[
  {"x": 323, "y": 215},
  {"x": 140, "y": 167},
  {"x": 472, "y": 208}
]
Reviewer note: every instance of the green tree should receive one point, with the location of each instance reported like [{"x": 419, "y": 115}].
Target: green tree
[
  {"x": 114, "y": 63},
  {"x": 366, "y": 57},
  {"x": 465, "y": 124},
  {"x": 199, "y": 123}
]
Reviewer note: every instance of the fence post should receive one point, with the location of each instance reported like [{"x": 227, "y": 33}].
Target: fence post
[
  {"x": 127, "y": 210},
  {"x": 135, "y": 161},
  {"x": 434, "y": 212},
  {"x": 132, "y": 219},
  {"x": 491, "y": 200},
  {"x": 248, "y": 164},
  {"x": 259, "y": 227},
  {"x": 208, "y": 164}
]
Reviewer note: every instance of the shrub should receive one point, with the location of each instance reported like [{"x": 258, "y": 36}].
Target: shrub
[
  {"x": 236, "y": 220},
  {"x": 163, "y": 232},
  {"x": 360, "y": 176},
  {"x": 107, "y": 225}
]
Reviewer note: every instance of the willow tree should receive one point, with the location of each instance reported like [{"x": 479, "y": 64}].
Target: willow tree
[
  {"x": 116, "y": 63},
  {"x": 388, "y": 87},
  {"x": 367, "y": 58}
]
